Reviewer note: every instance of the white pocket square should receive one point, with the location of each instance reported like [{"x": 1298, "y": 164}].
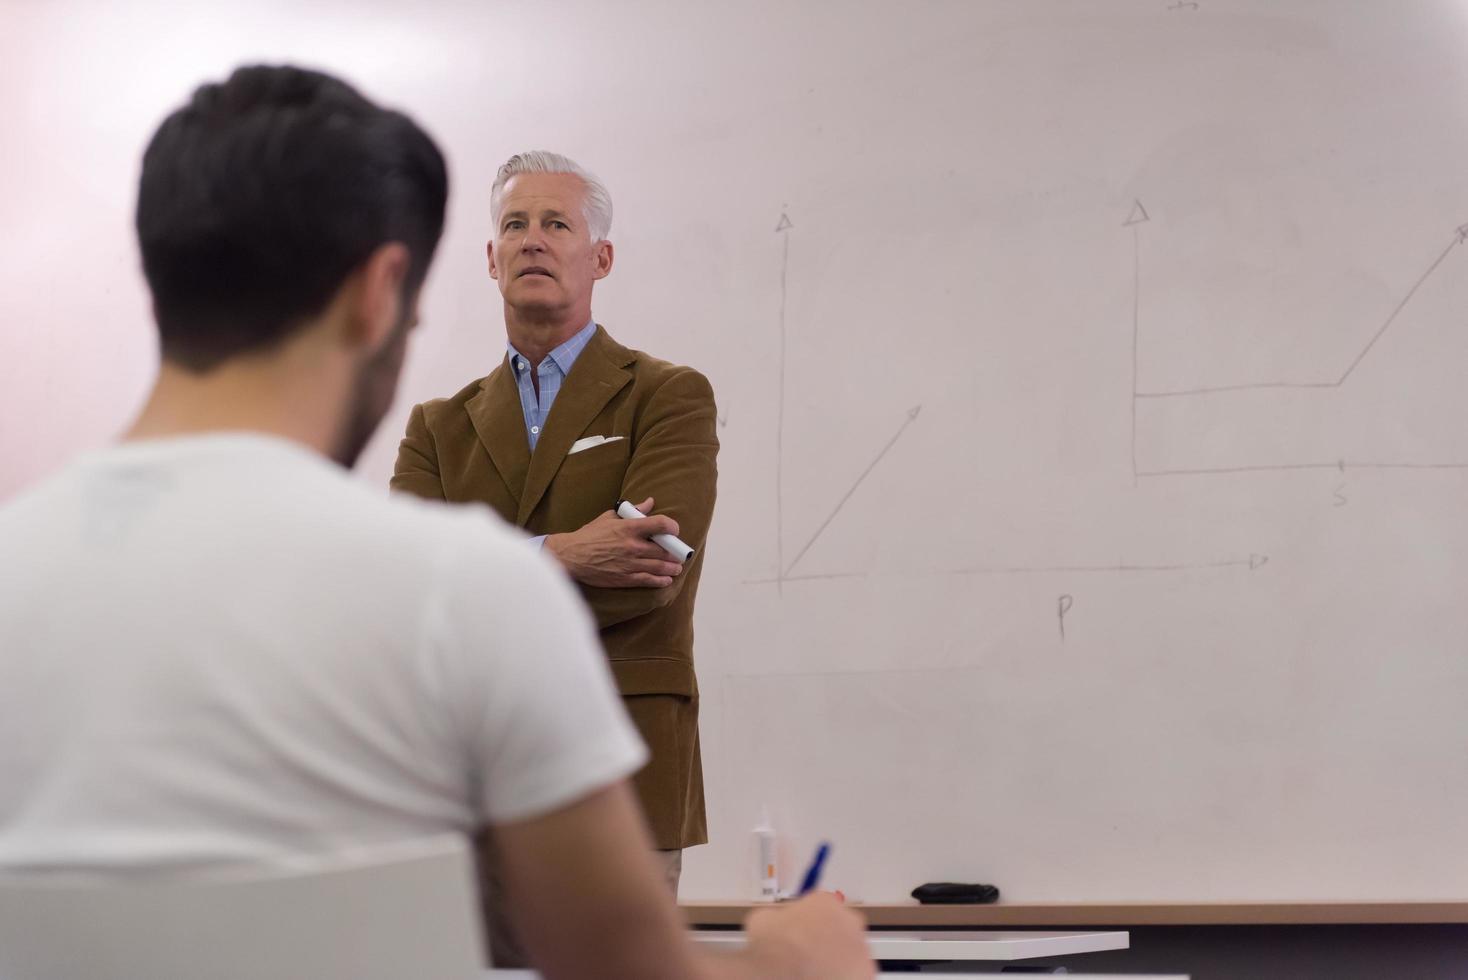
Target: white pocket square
[{"x": 590, "y": 441}]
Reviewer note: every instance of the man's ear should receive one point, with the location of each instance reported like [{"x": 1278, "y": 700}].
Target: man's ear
[
  {"x": 379, "y": 305},
  {"x": 494, "y": 269},
  {"x": 604, "y": 255}
]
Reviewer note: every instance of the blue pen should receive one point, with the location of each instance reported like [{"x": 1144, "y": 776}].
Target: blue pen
[{"x": 813, "y": 875}]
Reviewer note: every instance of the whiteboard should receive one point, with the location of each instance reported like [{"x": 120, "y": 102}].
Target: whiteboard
[{"x": 1090, "y": 379}]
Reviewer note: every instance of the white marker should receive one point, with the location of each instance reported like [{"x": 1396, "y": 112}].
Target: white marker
[{"x": 667, "y": 542}]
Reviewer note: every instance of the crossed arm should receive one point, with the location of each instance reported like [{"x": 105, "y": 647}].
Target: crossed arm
[{"x": 621, "y": 573}]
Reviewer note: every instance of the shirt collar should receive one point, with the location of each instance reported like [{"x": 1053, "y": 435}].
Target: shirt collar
[{"x": 563, "y": 355}]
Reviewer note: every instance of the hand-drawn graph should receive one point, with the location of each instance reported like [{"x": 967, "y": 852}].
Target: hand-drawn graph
[
  {"x": 785, "y": 571},
  {"x": 1136, "y": 219}
]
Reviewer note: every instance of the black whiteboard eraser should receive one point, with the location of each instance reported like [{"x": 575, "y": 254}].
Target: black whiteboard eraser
[{"x": 955, "y": 893}]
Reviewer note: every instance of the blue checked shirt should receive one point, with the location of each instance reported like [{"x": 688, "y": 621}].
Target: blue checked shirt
[{"x": 551, "y": 373}]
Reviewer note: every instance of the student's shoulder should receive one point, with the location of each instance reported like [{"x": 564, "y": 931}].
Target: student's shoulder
[{"x": 469, "y": 552}]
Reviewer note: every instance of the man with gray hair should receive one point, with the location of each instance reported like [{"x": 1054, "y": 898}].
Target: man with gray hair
[{"x": 568, "y": 425}]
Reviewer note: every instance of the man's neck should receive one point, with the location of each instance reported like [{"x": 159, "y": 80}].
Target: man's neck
[
  {"x": 249, "y": 398},
  {"x": 536, "y": 336}
]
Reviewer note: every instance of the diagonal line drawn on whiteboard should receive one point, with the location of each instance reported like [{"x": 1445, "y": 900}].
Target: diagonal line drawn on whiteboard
[
  {"x": 912, "y": 414},
  {"x": 1137, "y": 217}
]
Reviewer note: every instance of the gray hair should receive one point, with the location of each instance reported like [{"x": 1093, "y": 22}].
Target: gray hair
[{"x": 597, "y": 202}]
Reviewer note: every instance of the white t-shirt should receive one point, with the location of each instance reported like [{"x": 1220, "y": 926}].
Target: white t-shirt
[{"x": 223, "y": 651}]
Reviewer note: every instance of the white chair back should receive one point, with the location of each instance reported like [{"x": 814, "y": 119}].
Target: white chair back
[{"x": 394, "y": 913}]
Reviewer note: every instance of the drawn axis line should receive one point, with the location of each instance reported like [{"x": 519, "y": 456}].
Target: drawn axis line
[
  {"x": 1135, "y": 220},
  {"x": 1253, "y": 562},
  {"x": 1341, "y": 465},
  {"x": 782, "y": 228}
]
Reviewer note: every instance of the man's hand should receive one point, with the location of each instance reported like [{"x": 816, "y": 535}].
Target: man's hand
[
  {"x": 612, "y": 553},
  {"x": 815, "y": 938},
  {"x": 591, "y": 902}
]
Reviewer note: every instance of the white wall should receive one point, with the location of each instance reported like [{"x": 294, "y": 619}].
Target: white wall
[{"x": 1259, "y": 691}]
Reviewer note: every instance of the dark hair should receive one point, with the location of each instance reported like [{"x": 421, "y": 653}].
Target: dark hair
[{"x": 262, "y": 194}]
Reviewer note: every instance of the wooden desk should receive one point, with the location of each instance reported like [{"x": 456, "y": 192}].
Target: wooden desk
[{"x": 910, "y": 915}]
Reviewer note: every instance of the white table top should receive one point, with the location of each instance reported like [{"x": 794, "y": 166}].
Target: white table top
[{"x": 960, "y": 944}]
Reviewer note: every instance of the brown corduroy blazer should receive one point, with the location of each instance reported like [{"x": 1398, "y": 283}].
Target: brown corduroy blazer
[{"x": 472, "y": 447}]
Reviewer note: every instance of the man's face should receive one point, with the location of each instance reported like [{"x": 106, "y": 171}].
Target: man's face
[{"x": 542, "y": 254}]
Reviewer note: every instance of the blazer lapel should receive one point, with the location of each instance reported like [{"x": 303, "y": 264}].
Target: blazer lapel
[
  {"x": 499, "y": 419},
  {"x": 597, "y": 375}
]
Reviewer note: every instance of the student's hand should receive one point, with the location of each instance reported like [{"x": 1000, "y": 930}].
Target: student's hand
[
  {"x": 612, "y": 553},
  {"x": 814, "y": 938}
]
